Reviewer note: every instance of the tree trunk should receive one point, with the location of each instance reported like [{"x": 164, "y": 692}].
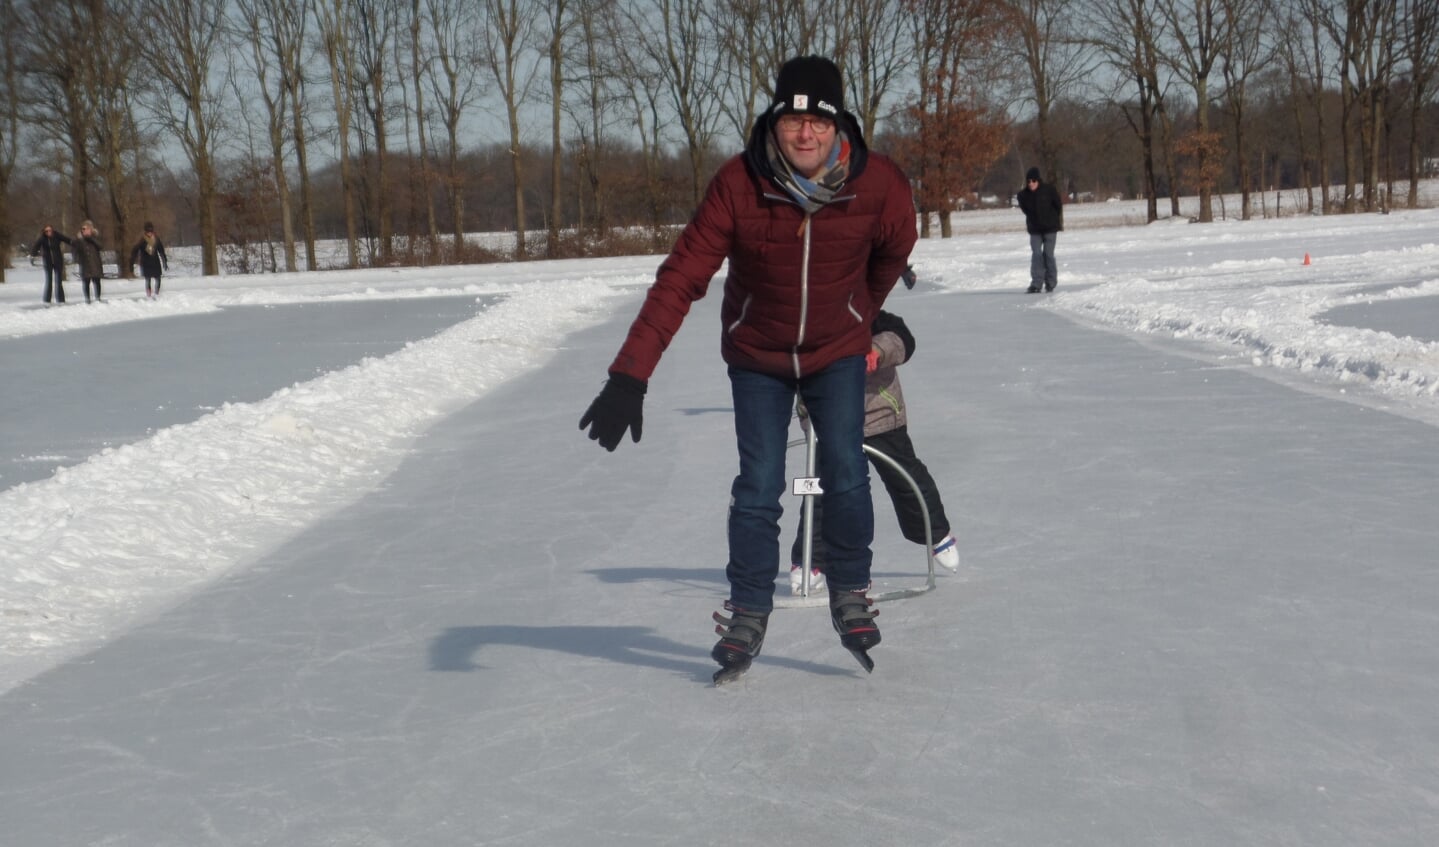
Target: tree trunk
[
  {"x": 338, "y": 53},
  {"x": 307, "y": 205},
  {"x": 517, "y": 169},
  {"x": 431, "y": 228},
  {"x": 209, "y": 242},
  {"x": 457, "y": 197},
  {"x": 557, "y": 84},
  {"x": 1416, "y": 111},
  {"x": 380, "y": 194},
  {"x": 282, "y": 189},
  {"x": 1201, "y": 116}
]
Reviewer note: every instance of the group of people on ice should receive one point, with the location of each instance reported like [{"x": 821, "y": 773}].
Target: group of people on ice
[{"x": 148, "y": 253}]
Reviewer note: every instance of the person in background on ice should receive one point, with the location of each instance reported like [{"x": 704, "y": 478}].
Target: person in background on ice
[
  {"x": 816, "y": 229},
  {"x": 52, "y": 255},
  {"x": 1044, "y": 218},
  {"x": 886, "y": 430},
  {"x": 150, "y": 253},
  {"x": 88, "y": 257}
]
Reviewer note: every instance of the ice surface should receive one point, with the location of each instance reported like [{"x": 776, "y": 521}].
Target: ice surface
[{"x": 407, "y": 602}]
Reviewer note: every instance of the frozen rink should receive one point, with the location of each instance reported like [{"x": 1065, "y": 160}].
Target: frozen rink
[{"x": 404, "y": 601}]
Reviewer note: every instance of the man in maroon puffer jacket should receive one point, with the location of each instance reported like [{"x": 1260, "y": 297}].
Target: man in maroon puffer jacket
[{"x": 817, "y": 229}]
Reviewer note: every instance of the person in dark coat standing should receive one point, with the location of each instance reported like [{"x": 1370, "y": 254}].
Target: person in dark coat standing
[
  {"x": 816, "y": 230},
  {"x": 1044, "y": 218},
  {"x": 149, "y": 252},
  {"x": 52, "y": 254},
  {"x": 88, "y": 257}
]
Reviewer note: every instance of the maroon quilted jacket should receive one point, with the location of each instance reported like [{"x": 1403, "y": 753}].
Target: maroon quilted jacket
[{"x": 796, "y": 297}]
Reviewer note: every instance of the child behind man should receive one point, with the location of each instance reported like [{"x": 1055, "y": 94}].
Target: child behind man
[{"x": 886, "y": 430}]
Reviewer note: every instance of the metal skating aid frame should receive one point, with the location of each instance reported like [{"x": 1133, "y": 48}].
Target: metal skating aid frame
[{"x": 807, "y": 544}]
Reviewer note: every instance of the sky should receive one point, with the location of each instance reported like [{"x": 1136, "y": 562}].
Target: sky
[{"x": 323, "y": 559}]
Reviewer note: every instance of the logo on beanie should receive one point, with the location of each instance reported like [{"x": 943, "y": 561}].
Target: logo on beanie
[
  {"x": 800, "y": 103},
  {"x": 826, "y": 107}
]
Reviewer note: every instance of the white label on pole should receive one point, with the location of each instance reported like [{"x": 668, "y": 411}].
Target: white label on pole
[{"x": 807, "y": 485}]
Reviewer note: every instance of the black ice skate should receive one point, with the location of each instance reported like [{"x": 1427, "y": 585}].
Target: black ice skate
[
  {"x": 854, "y": 621},
  {"x": 741, "y": 636}
]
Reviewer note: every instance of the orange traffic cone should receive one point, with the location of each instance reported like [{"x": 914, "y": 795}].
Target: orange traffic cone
[{"x": 1306, "y": 258}]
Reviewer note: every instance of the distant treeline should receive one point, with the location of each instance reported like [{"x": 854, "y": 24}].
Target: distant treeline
[{"x": 253, "y": 128}]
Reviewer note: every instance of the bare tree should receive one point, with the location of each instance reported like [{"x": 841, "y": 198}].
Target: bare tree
[
  {"x": 10, "y": 30},
  {"x": 247, "y": 194},
  {"x": 877, "y": 56},
  {"x": 1126, "y": 33},
  {"x": 956, "y": 135},
  {"x": 1421, "y": 43},
  {"x": 420, "y": 59},
  {"x": 334, "y": 21},
  {"x": 454, "y": 33},
  {"x": 596, "y": 112},
  {"x": 744, "y": 71},
  {"x": 116, "y": 141},
  {"x": 375, "y": 23},
  {"x": 1056, "y": 61},
  {"x": 290, "y": 55},
  {"x": 187, "y": 48},
  {"x": 1302, "y": 56},
  {"x": 1363, "y": 31},
  {"x": 410, "y": 55},
  {"x": 509, "y": 25},
  {"x": 802, "y": 27},
  {"x": 276, "y": 32},
  {"x": 273, "y": 42},
  {"x": 753, "y": 38},
  {"x": 59, "y": 76},
  {"x": 1246, "y": 53},
  {"x": 1199, "y": 33},
  {"x": 80, "y": 94},
  {"x": 646, "y": 109},
  {"x": 557, "y": 12},
  {"x": 673, "y": 35}
]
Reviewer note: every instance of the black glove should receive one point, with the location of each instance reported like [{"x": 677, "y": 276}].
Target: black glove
[
  {"x": 619, "y": 407},
  {"x": 908, "y": 276}
]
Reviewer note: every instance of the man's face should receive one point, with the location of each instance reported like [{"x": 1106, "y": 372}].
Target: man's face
[
  {"x": 49, "y": 231},
  {"x": 806, "y": 141}
]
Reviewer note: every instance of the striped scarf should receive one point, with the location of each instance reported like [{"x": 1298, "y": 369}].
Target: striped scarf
[{"x": 811, "y": 193}]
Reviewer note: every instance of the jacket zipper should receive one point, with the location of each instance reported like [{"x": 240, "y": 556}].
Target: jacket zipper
[
  {"x": 803, "y": 294},
  {"x": 804, "y": 229}
]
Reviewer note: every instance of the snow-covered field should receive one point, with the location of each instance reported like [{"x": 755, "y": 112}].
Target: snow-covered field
[{"x": 230, "y": 627}]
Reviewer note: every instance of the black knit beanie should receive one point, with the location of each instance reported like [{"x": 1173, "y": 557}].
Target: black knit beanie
[
  {"x": 809, "y": 85},
  {"x": 1032, "y": 174}
]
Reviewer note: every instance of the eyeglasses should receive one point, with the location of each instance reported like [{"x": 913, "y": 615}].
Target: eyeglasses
[
  {"x": 817, "y": 125},
  {"x": 1035, "y": 181}
]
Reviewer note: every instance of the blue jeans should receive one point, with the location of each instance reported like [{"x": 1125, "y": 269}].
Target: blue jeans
[
  {"x": 1043, "y": 271},
  {"x": 763, "y": 408}
]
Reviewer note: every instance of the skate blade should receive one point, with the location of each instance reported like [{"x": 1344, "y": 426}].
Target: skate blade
[
  {"x": 729, "y": 674},
  {"x": 862, "y": 656}
]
